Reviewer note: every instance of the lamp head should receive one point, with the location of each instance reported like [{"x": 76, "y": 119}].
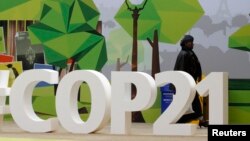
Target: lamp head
[{"x": 136, "y": 2}]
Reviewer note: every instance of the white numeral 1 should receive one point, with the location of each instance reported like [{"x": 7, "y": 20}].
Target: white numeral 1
[{"x": 216, "y": 85}]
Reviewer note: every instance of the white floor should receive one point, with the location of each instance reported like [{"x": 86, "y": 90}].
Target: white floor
[{"x": 9, "y": 131}]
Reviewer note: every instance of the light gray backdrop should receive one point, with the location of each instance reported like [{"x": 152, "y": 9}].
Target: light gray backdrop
[{"x": 221, "y": 19}]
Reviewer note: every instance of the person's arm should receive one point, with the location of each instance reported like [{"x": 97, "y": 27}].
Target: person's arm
[
  {"x": 199, "y": 72},
  {"x": 182, "y": 62},
  {"x": 199, "y": 79}
]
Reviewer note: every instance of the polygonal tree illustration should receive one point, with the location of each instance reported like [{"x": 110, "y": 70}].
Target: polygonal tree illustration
[
  {"x": 240, "y": 39},
  {"x": 119, "y": 49},
  {"x": 16, "y": 15},
  {"x": 163, "y": 20},
  {"x": 67, "y": 30},
  {"x": 20, "y": 9}
]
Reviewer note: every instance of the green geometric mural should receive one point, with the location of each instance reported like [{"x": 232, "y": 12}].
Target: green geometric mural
[
  {"x": 172, "y": 18},
  {"x": 118, "y": 47},
  {"x": 20, "y": 9},
  {"x": 67, "y": 30},
  {"x": 5, "y": 5},
  {"x": 240, "y": 39}
]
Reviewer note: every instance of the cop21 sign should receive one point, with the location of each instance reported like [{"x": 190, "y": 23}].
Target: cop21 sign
[{"x": 112, "y": 101}]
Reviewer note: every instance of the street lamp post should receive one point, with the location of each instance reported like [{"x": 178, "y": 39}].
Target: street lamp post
[{"x": 135, "y": 14}]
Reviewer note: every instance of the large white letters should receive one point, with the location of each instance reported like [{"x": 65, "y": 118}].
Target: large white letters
[
  {"x": 216, "y": 85},
  {"x": 66, "y": 101},
  {"x": 4, "y": 92},
  {"x": 115, "y": 101},
  {"x": 122, "y": 105},
  {"x": 185, "y": 92},
  {"x": 21, "y": 101}
]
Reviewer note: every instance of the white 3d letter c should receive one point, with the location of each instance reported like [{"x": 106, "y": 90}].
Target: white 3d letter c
[{"x": 21, "y": 101}]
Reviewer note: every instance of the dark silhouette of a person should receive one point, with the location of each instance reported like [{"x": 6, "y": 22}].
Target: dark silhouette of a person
[{"x": 13, "y": 69}]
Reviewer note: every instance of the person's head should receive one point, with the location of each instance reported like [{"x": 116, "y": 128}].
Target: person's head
[{"x": 187, "y": 41}]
